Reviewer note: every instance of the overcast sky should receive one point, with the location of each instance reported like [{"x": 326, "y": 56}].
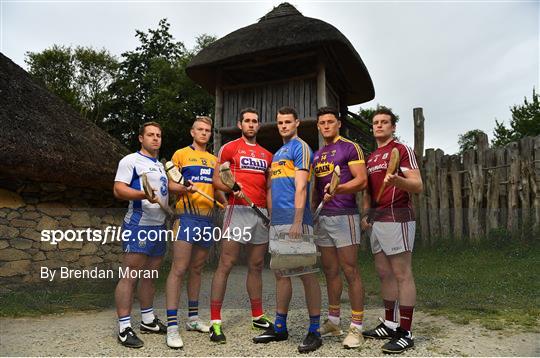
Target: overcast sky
[{"x": 464, "y": 62}]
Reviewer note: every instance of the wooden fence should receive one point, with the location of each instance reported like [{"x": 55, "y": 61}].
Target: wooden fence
[{"x": 481, "y": 193}]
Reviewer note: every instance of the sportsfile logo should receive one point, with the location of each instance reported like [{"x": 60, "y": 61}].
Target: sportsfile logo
[{"x": 253, "y": 164}]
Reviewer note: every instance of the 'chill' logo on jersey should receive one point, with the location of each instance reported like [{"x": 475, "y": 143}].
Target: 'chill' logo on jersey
[
  {"x": 323, "y": 169},
  {"x": 253, "y": 164}
]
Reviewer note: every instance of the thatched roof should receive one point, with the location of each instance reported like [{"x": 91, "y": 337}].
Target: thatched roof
[
  {"x": 285, "y": 30},
  {"x": 44, "y": 139}
]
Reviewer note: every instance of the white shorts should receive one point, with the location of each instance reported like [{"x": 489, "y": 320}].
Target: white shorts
[
  {"x": 392, "y": 237},
  {"x": 243, "y": 219},
  {"x": 275, "y": 230},
  {"x": 338, "y": 231}
]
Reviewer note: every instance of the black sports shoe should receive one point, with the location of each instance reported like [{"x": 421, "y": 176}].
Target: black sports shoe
[
  {"x": 216, "y": 334},
  {"x": 128, "y": 338},
  {"x": 400, "y": 343},
  {"x": 271, "y": 336},
  {"x": 262, "y": 323},
  {"x": 311, "y": 343},
  {"x": 380, "y": 332},
  {"x": 155, "y": 327}
]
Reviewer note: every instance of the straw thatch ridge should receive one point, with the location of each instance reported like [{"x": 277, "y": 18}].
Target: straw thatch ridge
[
  {"x": 44, "y": 139},
  {"x": 284, "y": 29}
]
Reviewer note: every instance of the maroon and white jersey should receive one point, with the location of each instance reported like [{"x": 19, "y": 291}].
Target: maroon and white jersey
[{"x": 395, "y": 204}]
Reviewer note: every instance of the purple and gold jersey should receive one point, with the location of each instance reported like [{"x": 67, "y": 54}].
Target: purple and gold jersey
[
  {"x": 342, "y": 152},
  {"x": 292, "y": 156}
]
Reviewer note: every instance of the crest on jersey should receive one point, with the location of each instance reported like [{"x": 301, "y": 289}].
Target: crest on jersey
[{"x": 385, "y": 155}]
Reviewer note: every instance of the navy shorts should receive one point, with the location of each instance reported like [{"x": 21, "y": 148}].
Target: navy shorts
[
  {"x": 148, "y": 240},
  {"x": 195, "y": 229}
]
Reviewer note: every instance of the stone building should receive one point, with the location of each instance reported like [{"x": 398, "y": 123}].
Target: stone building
[{"x": 56, "y": 173}]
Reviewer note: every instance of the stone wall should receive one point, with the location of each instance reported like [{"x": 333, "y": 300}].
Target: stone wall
[{"x": 28, "y": 208}]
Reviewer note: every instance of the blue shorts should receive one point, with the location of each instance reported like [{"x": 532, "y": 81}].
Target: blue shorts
[
  {"x": 145, "y": 240},
  {"x": 198, "y": 230}
]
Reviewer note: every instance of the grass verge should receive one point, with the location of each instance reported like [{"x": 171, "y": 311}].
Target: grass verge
[{"x": 493, "y": 283}]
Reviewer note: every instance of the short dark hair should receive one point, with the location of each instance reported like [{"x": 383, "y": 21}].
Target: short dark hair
[
  {"x": 146, "y": 124},
  {"x": 247, "y": 110},
  {"x": 327, "y": 110},
  {"x": 387, "y": 111},
  {"x": 288, "y": 110}
]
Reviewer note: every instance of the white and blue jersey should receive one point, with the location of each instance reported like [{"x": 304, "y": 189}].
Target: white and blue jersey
[{"x": 130, "y": 170}]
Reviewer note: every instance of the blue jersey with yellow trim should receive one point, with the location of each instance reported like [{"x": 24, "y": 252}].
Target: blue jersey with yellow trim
[
  {"x": 292, "y": 156},
  {"x": 197, "y": 166}
]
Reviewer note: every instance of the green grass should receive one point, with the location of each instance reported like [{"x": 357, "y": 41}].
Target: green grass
[{"x": 495, "y": 284}]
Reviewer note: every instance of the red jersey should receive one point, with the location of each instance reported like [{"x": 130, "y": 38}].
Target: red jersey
[
  {"x": 395, "y": 204},
  {"x": 249, "y": 165}
]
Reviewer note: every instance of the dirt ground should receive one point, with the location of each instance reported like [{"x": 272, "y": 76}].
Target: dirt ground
[{"x": 94, "y": 333}]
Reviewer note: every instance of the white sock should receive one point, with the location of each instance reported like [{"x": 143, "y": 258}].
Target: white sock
[
  {"x": 193, "y": 318},
  {"x": 358, "y": 326},
  {"x": 123, "y": 323},
  {"x": 335, "y": 320},
  {"x": 172, "y": 328},
  {"x": 147, "y": 315},
  {"x": 218, "y": 321},
  {"x": 391, "y": 324}
]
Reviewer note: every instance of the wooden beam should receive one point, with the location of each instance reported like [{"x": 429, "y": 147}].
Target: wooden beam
[
  {"x": 218, "y": 114},
  {"x": 418, "y": 117}
]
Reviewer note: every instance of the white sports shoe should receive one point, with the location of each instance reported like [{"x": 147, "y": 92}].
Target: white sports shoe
[
  {"x": 173, "y": 338},
  {"x": 197, "y": 325}
]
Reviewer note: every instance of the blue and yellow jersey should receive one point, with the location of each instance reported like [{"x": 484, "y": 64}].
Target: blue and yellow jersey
[
  {"x": 292, "y": 156},
  {"x": 198, "y": 167}
]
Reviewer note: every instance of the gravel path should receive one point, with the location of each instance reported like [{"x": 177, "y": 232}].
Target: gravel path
[{"x": 94, "y": 333}]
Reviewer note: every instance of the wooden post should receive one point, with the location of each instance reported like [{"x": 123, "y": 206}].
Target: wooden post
[
  {"x": 492, "y": 201},
  {"x": 321, "y": 90},
  {"x": 418, "y": 117},
  {"x": 432, "y": 194},
  {"x": 476, "y": 195},
  {"x": 502, "y": 173},
  {"x": 526, "y": 146},
  {"x": 535, "y": 186},
  {"x": 455, "y": 177},
  {"x": 218, "y": 115},
  {"x": 469, "y": 158},
  {"x": 513, "y": 183},
  {"x": 444, "y": 204},
  {"x": 482, "y": 144}
]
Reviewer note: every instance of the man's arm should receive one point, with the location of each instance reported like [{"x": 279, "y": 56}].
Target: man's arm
[
  {"x": 366, "y": 207},
  {"x": 217, "y": 183},
  {"x": 300, "y": 194},
  {"x": 122, "y": 191},
  {"x": 269, "y": 195},
  {"x": 412, "y": 182},
  {"x": 357, "y": 183}
]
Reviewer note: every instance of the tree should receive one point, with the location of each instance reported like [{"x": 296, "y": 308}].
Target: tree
[
  {"x": 525, "y": 122},
  {"x": 79, "y": 76},
  {"x": 55, "y": 67},
  {"x": 152, "y": 85},
  {"x": 470, "y": 139}
]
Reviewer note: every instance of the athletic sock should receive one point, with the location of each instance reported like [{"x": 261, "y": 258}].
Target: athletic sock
[
  {"x": 390, "y": 310},
  {"x": 123, "y": 323},
  {"x": 172, "y": 318},
  {"x": 215, "y": 310},
  {"x": 405, "y": 317},
  {"x": 334, "y": 312},
  {"x": 356, "y": 319},
  {"x": 193, "y": 310},
  {"x": 256, "y": 308},
  {"x": 280, "y": 324},
  {"x": 147, "y": 315},
  {"x": 315, "y": 324}
]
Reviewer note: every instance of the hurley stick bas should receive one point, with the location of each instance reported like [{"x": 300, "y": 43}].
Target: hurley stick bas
[
  {"x": 228, "y": 179},
  {"x": 174, "y": 174},
  {"x": 392, "y": 168},
  {"x": 334, "y": 182},
  {"x": 150, "y": 194}
]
